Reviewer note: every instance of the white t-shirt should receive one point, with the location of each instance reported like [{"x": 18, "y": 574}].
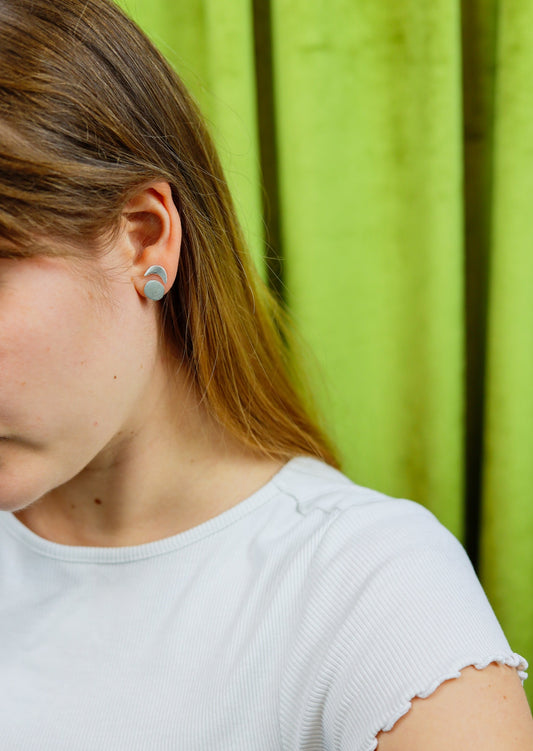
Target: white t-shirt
[{"x": 304, "y": 618}]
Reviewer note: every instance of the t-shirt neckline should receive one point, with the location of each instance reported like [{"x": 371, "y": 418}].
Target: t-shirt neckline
[{"x": 125, "y": 554}]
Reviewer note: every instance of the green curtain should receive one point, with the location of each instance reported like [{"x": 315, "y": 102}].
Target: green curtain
[{"x": 379, "y": 154}]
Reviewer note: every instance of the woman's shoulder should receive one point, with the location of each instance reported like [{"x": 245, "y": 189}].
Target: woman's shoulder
[
  {"x": 391, "y": 608},
  {"x": 362, "y": 536},
  {"x": 355, "y": 512}
]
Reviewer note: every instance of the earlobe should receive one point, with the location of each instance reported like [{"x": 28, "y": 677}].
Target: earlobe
[{"x": 153, "y": 227}]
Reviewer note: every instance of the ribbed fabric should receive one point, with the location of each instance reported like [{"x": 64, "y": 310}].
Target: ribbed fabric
[{"x": 305, "y": 618}]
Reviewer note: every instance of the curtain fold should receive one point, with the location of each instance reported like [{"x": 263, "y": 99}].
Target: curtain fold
[
  {"x": 507, "y": 510},
  {"x": 372, "y": 232},
  {"x": 398, "y": 140}
]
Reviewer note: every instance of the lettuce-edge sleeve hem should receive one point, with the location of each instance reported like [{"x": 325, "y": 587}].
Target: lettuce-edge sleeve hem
[{"x": 514, "y": 660}]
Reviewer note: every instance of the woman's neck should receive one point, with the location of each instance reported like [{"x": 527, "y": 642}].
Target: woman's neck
[{"x": 158, "y": 476}]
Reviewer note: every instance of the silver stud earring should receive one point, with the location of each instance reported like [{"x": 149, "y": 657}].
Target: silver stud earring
[{"x": 153, "y": 289}]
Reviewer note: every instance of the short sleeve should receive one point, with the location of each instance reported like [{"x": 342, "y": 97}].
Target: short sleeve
[{"x": 393, "y": 608}]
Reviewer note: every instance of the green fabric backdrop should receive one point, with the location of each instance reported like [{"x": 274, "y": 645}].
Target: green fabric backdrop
[{"x": 384, "y": 151}]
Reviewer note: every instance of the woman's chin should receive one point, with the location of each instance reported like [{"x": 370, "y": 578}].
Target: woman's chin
[
  {"x": 22, "y": 483},
  {"x": 14, "y": 498}
]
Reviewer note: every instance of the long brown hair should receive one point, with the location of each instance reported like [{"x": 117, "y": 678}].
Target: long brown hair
[{"x": 89, "y": 112}]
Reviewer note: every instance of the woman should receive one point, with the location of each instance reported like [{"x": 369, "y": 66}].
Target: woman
[{"x": 182, "y": 566}]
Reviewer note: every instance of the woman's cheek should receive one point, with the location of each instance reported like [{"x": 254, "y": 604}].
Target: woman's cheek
[{"x": 36, "y": 374}]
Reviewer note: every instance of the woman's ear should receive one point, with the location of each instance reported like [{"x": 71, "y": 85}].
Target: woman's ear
[{"x": 153, "y": 231}]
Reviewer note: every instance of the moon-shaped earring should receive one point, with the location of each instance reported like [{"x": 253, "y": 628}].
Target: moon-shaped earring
[{"x": 153, "y": 289}]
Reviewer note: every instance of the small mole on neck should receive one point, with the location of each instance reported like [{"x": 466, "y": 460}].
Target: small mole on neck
[{"x": 98, "y": 501}]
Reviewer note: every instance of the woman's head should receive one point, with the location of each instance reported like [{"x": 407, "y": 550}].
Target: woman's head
[{"x": 91, "y": 119}]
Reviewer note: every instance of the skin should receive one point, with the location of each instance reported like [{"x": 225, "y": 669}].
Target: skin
[
  {"x": 482, "y": 710},
  {"x": 102, "y": 443}
]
